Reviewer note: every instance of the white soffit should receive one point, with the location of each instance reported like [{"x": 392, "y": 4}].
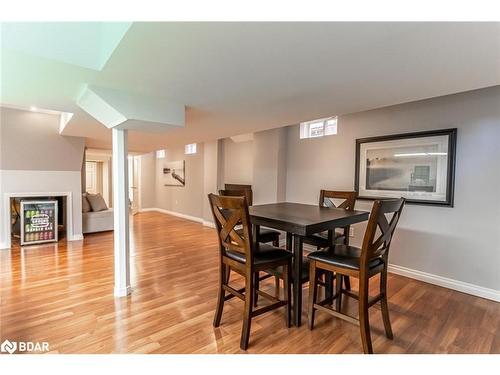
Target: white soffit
[
  {"x": 63, "y": 121},
  {"x": 242, "y": 138},
  {"x": 116, "y": 109},
  {"x": 100, "y": 109}
]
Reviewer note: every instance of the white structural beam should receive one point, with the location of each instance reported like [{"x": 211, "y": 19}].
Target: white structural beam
[{"x": 121, "y": 213}]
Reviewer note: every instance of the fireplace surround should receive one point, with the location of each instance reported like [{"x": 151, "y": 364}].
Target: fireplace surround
[{"x": 6, "y": 214}]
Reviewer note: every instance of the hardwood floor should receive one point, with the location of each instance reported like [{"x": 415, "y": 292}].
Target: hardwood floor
[{"x": 63, "y": 294}]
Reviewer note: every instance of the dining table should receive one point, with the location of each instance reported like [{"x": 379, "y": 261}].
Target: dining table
[{"x": 299, "y": 220}]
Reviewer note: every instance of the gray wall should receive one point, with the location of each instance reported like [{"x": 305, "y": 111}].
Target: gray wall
[
  {"x": 147, "y": 186},
  {"x": 31, "y": 141},
  {"x": 461, "y": 243},
  {"x": 188, "y": 199},
  {"x": 212, "y": 154},
  {"x": 269, "y": 167},
  {"x": 238, "y": 161}
]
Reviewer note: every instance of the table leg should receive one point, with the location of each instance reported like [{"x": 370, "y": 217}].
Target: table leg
[
  {"x": 289, "y": 238},
  {"x": 256, "y": 276},
  {"x": 329, "y": 275},
  {"x": 297, "y": 282},
  {"x": 346, "y": 278}
]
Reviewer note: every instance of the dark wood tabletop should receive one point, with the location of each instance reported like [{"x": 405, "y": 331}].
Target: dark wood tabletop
[{"x": 303, "y": 219}]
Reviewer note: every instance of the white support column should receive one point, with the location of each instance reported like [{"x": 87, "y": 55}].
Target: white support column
[{"x": 121, "y": 212}]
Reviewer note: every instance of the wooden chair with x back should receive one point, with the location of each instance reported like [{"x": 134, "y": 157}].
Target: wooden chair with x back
[
  {"x": 364, "y": 263},
  {"x": 241, "y": 253},
  {"x": 266, "y": 235},
  {"x": 327, "y": 199},
  {"x": 345, "y": 200}
]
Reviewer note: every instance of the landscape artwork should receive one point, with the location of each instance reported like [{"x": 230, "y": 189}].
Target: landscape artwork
[{"x": 417, "y": 166}]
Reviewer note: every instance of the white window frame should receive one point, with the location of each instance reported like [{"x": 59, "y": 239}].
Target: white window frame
[
  {"x": 190, "y": 149},
  {"x": 319, "y": 128},
  {"x": 160, "y": 154}
]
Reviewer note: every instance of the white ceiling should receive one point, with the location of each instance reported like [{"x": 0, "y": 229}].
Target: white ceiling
[{"x": 237, "y": 78}]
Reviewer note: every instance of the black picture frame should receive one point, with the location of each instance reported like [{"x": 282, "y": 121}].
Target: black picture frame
[{"x": 451, "y": 165}]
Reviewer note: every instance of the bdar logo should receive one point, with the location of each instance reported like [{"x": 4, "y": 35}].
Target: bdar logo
[{"x": 9, "y": 347}]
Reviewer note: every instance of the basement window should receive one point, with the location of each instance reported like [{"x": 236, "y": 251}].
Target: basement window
[
  {"x": 318, "y": 128},
  {"x": 160, "y": 154},
  {"x": 190, "y": 149}
]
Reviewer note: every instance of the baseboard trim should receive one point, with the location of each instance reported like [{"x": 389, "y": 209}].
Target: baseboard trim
[
  {"x": 173, "y": 213},
  {"x": 445, "y": 282},
  {"x": 209, "y": 224},
  {"x": 76, "y": 237},
  {"x": 122, "y": 292}
]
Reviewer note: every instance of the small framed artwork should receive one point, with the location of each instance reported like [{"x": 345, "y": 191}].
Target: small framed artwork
[
  {"x": 417, "y": 166},
  {"x": 174, "y": 173}
]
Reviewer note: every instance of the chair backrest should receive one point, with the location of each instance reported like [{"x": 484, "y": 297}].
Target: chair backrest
[
  {"x": 349, "y": 199},
  {"x": 238, "y": 193},
  {"x": 247, "y": 188},
  {"x": 229, "y": 213},
  {"x": 380, "y": 229}
]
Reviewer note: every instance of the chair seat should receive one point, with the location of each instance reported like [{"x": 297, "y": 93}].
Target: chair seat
[
  {"x": 321, "y": 239},
  {"x": 268, "y": 231},
  {"x": 346, "y": 257},
  {"x": 265, "y": 254},
  {"x": 268, "y": 235}
]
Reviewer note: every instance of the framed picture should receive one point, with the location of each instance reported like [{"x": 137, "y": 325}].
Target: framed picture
[
  {"x": 174, "y": 173},
  {"x": 417, "y": 166}
]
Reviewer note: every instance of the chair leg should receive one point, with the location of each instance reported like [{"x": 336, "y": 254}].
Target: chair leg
[
  {"x": 228, "y": 274},
  {"x": 338, "y": 291},
  {"x": 364, "y": 323},
  {"x": 346, "y": 278},
  {"x": 329, "y": 276},
  {"x": 383, "y": 305},
  {"x": 287, "y": 289},
  {"x": 347, "y": 282},
  {"x": 256, "y": 284},
  {"x": 276, "y": 242},
  {"x": 224, "y": 271},
  {"x": 277, "y": 286},
  {"x": 313, "y": 293},
  {"x": 247, "y": 313}
]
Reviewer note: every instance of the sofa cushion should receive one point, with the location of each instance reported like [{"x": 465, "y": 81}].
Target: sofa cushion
[
  {"x": 97, "y": 202},
  {"x": 85, "y": 204}
]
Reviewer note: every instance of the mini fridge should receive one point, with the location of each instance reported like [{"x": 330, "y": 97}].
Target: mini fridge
[{"x": 38, "y": 222}]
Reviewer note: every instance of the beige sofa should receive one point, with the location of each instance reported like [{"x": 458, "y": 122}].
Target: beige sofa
[{"x": 98, "y": 221}]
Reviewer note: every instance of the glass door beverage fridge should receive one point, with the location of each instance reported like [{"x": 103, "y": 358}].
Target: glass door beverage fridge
[{"x": 38, "y": 222}]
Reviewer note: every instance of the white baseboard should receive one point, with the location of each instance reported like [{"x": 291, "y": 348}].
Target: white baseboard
[
  {"x": 76, "y": 237},
  {"x": 173, "y": 213},
  {"x": 122, "y": 292},
  {"x": 4, "y": 246},
  {"x": 207, "y": 223},
  {"x": 204, "y": 222},
  {"x": 445, "y": 282}
]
